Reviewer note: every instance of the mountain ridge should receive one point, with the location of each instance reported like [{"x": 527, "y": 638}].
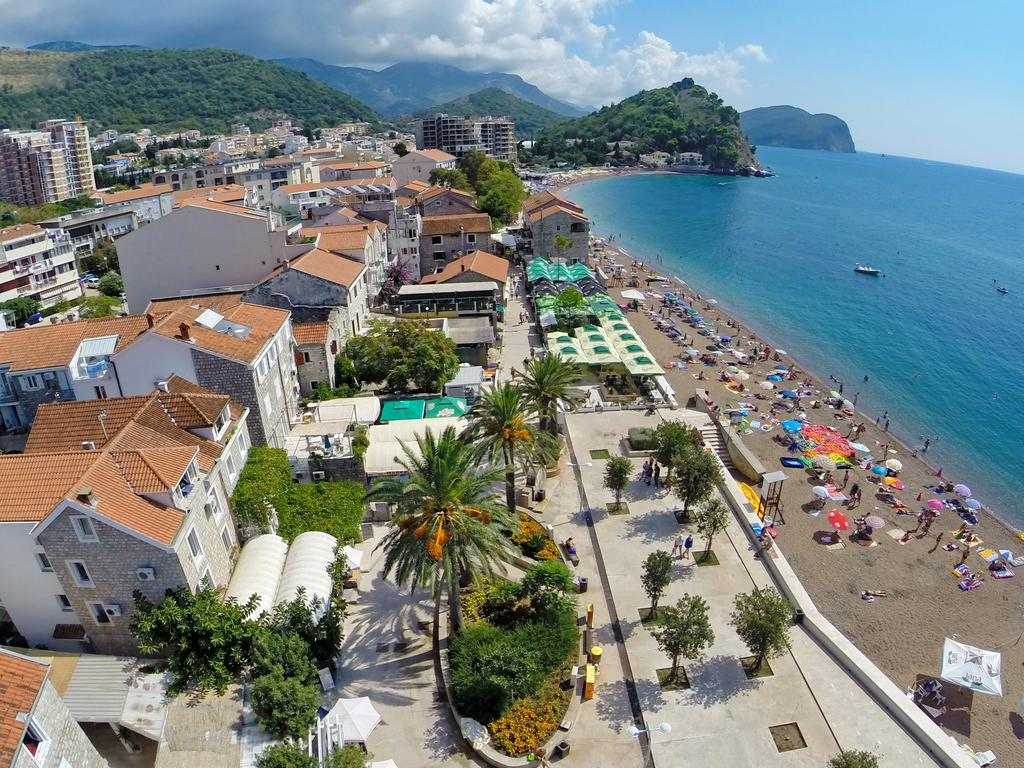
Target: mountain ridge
[
  {"x": 74, "y": 46},
  {"x": 788, "y": 126},
  {"x": 408, "y": 87}
]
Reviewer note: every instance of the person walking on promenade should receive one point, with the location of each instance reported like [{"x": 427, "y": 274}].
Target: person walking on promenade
[
  {"x": 646, "y": 473},
  {"x": 677, "y": 546},
  {"x": 657, "y": 475},
  {"x": 687, "y": 546}
]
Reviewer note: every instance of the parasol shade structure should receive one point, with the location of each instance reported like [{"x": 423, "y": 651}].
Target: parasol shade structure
[
  {"x": 823, "y": 462},
  {"x": 792, "y": 425},
  {"x": 860, "y": 447},
  {"x": 973, "y": 504},
  {"x": 789, "y": 393},
  {"x": 962, "y": 491},
  {"x": 874, "y": 522},
  {"x": 935, "y": 504},
  {"x": 838, "y": 520},
  {"x": 894, "y": 464},
  {"x": 972, "y": 668},
  {"x": 634, "y": 295},
  {"x": 352, "y": 720},
  {"x": 879, "y": 470},
  {"x": 766, "y": 385},
  {"x": 820, "y": 492}
]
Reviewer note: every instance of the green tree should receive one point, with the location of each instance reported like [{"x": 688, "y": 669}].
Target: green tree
[
  {"x": 23, "y": 307},
  {"x": 672, "y": 440},
  {"x": 452, "y": 178},
  {"x": 548, "y": 383},
  {"x": 563, "y": 245},
  {"x": 284, "y": 706},
  {"x": 349, "y": 756},
  {"x": 98, "y": 306},
  {"x": 478, "y": 167},
  {"x": 286, "y": 755},
  {"x": 684, "y": 630},
  {"x": 855, "y": 758},
  {"x": 761, "y": 619},
  {"x": 400, "y": 149},
  {"x": 502, "y": 196},
  {"x": 283, "y": 652},
  {"x": 111, "y": 284},
  {"x": 207, "y": 641},
  {"x": 500, "y": 420},
  {"x": 712, "y": 519},
  {"x": 397, "y": 353},
  {"x": 656, "y": 576},
  {"x": 617, "y": 472},
  {"x": 571, "y": 306},
  {"x": 548, "y": 587},
  {"x": 448, "y": 523},
  {"x": 696, "y": 476}
]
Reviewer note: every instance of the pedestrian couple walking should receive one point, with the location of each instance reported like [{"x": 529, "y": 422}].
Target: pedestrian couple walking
[
  {"x": 682, "y": 546},
  {"x": 652, "y": 472}
]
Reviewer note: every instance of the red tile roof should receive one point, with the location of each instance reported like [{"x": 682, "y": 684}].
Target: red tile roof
[
  {"x": 543, "y": 213},
  {"x": 52, "y": 346},
  {"x": 449, "y": 225},
  {"x": 225, "y": 193},
  {"x": 21, "y": 680},
  {"x": 310, "y": 333},
  {"x": 19, "y": 231},
  {"x": 143, "y": 191},
  {"x": 487, "y": 265}
]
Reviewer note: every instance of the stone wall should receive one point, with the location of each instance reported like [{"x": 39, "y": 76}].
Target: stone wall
[
  {"x": 547, "y": 229},
  {"x": 67, "y": 741},
  {"x": 229, "y": 377}
]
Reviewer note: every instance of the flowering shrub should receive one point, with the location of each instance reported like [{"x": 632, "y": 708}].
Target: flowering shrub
[
  {"x": 474, "y": 598},
  {"x": 528, "y": 723},
  {"x": 533, "y": 542}
]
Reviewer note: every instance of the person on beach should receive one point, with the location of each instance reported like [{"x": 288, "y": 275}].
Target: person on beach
[
  {"x": 886, "y": 427},
  {"x": 854, "y": 497},
  {"x": 846, "y": 477},
  {"x": 871, "y": 595}
]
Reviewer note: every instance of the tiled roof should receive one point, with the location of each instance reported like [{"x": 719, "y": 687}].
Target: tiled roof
[
  {"x": 376, "y": 181},
  {"x": 220, "y": 207},
  {"x": 19, "y": 231},
  {"x": 143, "y": 191},
  {"x": 485, "y": 264},
  {"x": 543, "y": 213},
  {"x": 544, "y": 199},
  {"x": 347, "y": 237},
  {"x": 32, "y": 484},
  {"x": 153, "y": 470},
  {"x": 263, "y": 323},
  {"x": 21, "y": 680},
  {"x": 225, "y": 193},
  {"x": 435, "y": 154},
  {"x": 449, "y": 225},
  {"x": 310, "y": 333},
  {"x": 120, "y": 504},
  {"x": 325, "y": 265},
  {"x": 52, "y": 346},
  {"x": 415, "y": 186},
  {"x": 432, "y": 192}
]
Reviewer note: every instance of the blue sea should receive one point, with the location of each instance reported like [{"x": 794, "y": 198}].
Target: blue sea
[{"x": 943, "y": 351}]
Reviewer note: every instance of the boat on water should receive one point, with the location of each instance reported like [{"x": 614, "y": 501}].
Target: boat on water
[
  {"x": 1002, "y": 290},
  {"x": 867, "y": 270}
]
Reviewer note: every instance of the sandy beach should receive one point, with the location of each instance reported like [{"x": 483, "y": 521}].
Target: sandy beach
[{"x": 902, "y": 633}]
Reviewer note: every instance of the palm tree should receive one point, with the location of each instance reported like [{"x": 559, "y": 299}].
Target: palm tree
[
  {"x": 499, "y": 422},
  {"x": 448, "y": 524},
  {"x": 547, "y": 382}
]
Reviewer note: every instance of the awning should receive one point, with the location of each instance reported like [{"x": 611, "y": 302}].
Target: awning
[
  {"x": 111, "y": 689},
  {"x": 317, "y": 428},
  {"x": 102, "y": 346},
  {"x": 401, "y": 410},
  {"x": 386, "y": 440}
]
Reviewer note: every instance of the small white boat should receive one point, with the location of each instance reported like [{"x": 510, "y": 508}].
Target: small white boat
[{"x": 867, "y": 270}]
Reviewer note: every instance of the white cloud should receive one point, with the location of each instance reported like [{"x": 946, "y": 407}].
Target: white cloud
[{"x": 560, "y": 45}]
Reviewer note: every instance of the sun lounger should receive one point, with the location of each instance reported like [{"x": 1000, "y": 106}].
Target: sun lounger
[{"x": 967, "y": 585}]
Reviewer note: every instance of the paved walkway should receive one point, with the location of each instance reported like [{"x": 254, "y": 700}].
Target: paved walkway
[{"x": 723, "y": 720}]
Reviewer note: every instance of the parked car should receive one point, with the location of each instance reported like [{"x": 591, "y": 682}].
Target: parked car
[{"x": 92, "y": 282}]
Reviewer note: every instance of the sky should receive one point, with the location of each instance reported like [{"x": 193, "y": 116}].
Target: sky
[{"x": 940, "y": 80}]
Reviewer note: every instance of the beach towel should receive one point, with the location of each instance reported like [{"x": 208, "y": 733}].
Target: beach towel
[
  {"x": 988, "y": 555},
  {"x": 962, "y": 570},
  {"x": 1002, "y": 573},
  {"x": 967, "y": 586}
]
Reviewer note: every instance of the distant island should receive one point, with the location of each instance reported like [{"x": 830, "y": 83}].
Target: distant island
[
  {"x": 684, "y": 117},
  {"x": 786, "y": 126}
]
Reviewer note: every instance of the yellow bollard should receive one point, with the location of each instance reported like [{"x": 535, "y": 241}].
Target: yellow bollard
[
  {"x": 589, "y": 681},
  {"x": 590, "y": 615}
]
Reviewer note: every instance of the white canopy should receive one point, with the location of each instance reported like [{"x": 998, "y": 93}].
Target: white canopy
[
  {"x": 972, "y": 668},
  {"x": 362, "y": 410},
  {"x": 632, "y": 293},
  {"x": 351, "y": 720},
  {"x": 258, "y": 571},
  {"x": 353, "y": 556},
  {"x": 386, "y": 441},
  {"x": 311, "y": 554}
]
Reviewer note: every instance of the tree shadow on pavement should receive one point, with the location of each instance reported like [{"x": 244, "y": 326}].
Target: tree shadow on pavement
[{"x": 717, "y": 679}]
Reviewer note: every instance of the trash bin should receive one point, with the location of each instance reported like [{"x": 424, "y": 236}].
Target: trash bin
[
  {"x": 562, "y": 748},
  {"x": 798, "y": 616},
  {"x": 540, "y": 495},
  {"x": 595, "y": 655},
  {"x": 523, "y": 497},
  {"x": 583, "y": 584}
]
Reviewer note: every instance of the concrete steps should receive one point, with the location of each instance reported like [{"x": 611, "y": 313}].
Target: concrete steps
[{"x": 714, "y": 441}]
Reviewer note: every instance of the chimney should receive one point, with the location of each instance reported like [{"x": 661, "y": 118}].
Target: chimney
[
  {"x": 183, "y": 328},
  {"x": 150, "y": 320},
  {"x": 462, "y": 266},
  {"x": 84, "y": 493},
  {"x": 88, "y": 445},
  {"x": 163, "y": 386}
]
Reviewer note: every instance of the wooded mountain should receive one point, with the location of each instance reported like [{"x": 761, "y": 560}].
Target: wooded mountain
[
  {"x": 684, "y": 117},
  {"x": 73, "y": 46},
  {"x": 166, "y": 89},
  {"x": 527, "y": 116},
  {"x": 408, "y": 87},
  {"x": 786, "y": 126}
]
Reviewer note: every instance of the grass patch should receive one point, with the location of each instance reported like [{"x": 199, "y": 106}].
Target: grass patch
[
  {"x": 787, "y": 737},
  {"x": 622, "y": 508},
  {"x": 600, "y": 453},
  {"x": 703, "y": 558},
  {"x": 651, "y": 618},
  {"x": 747, "y": 662},
  {"x": 680, "y": 683}
]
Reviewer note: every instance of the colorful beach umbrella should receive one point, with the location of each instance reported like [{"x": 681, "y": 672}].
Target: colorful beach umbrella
[
  {"x": 878, "y": 469},
  {"x": 838, "y": 520},
  {"x": 823, "y": 462},
  {"x": 895, "y": 483},
  {"x": 894, "y": 464},
  {"x": 791, "y": 425},
  {"x": 775, "y": 377},
  {"x": 935, "y": 504},
  {"x": 820, "y": 492},
  {"x": 972, "y": 504},
  {"x": 875, "y": 522},
  {"x": 962, "y": 491},
  {"x": 789, "y": 393}
]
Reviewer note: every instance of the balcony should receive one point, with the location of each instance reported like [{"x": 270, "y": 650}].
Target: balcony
[
  {"x": 94, "y": 370},
  {"x": 40, "y": 266}
]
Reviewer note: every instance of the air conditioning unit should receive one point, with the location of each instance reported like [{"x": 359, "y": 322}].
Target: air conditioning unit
[
  {"x": 48, "y": 375},
  {"x": 145, "y": 573},
  {"x": 319, "y": 476},
  {"x": 112, "y": 609}
]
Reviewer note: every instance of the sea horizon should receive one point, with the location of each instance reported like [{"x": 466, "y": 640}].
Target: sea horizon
[{"x": 778, "y": 254}]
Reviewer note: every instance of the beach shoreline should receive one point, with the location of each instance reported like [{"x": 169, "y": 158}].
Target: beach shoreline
[{"x": 902, "y": 634}]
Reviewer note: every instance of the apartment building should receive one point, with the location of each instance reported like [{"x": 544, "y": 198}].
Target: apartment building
[
  {"x": 342, "y": 171},
  {"x": 148, "y": 201},
  {"x": 46, "y": 165},
  {"x": 38, "y": 729},
  {"x": 213, "y": 174},
  {"x": 443, "y": 201},
  {"x": 457, "y": 135},
  {"x": 297, "y": 198},
  {"x": 38, "y": 264},
  {"x": 86, "y": 228},
  {"x": 115, "y": 496},
  {"x": 418, "y": 164},
  {"x": 363, "y": 242},
  {"x": 204, "y": 246},
  {"x": 552, "y": 220},
  {"x": 445, "y": 238}
]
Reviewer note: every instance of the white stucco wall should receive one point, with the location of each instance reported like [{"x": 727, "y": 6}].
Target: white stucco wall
[{"x": 149, "y": 359}]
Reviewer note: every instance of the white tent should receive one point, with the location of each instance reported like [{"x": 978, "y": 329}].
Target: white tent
[
  {"x": 972, "y": 668},
  {"x": 353, "y": 556},
  {"x": 632, "y": 293},
  {"x": 351, "y": 720},
  {"x": 259, "y": 571},
  {"x": 385, "y": 441},
  {"x": 311, "y": 554}
]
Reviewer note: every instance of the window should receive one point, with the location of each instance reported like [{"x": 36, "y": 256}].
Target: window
[
  {"x": 268, "y": 404},
  {"x": 273, "y": 351},
  {"x": 225, "y": 536},
  {"x": 36, "y": 742},
  {"x": 306, "y": 357},
  {"x": 212, "y": 505},
  {"x": 222, "y": 418},
  {"x": 277, "y": 388},
  {"x": 471, "y": 238},
  {"x": 101, "y": 393},
  {"x": 436, "y": 240},
  {"x": 64, "y": 603},
  {"x": 231, "y": 466},
  {"x": 314, "y": 385},
  {"x": 99, "y": 613},
  {"x": 84, "y": 529},
  {"x": 31, "y": 382},
  {"x": 193, "y": 544},
  {"x": 80, "y": 573},
  {"x": 44, "y": 563}
]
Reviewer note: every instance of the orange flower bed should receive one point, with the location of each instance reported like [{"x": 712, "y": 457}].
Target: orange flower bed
[
  {"x": 528, "y": 529},
  {"x": 529, "y": 723}
]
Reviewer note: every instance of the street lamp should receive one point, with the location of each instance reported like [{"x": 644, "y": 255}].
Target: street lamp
[{"x": 635, "y": 732}]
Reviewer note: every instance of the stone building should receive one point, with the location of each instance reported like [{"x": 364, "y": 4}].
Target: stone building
[
  {"x": 551, "y": 219},
  {"x": 444, "y": 238},
  {"x": 115, "y": 496}
]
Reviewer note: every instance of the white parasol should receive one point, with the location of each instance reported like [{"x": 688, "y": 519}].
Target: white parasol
[
  {"x": 972, "y": 668},
  {"x": 352, "y": 720},
  {"x": 353, "y": 556},
  {"x": 633, "y": 294}
]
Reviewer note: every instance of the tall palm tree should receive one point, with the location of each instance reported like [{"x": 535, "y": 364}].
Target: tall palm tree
[
  {"x": 547, "y": 383},
  {"x": 448, "y": 524},
  {"x": 500, "y": 424}
]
